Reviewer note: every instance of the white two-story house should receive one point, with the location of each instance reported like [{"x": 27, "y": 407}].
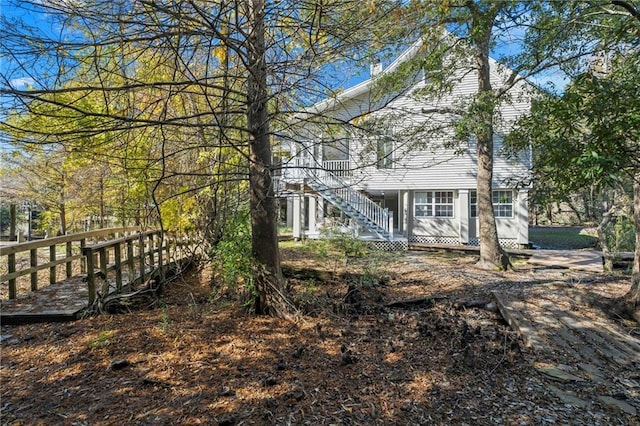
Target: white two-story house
[{"x": 388, "y": 168}]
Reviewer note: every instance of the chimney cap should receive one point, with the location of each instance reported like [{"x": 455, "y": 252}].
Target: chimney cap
[{"x": 376, "y": 66}]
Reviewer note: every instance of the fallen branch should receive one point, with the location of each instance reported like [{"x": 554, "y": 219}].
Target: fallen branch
[{"x": 420, "y": 301}]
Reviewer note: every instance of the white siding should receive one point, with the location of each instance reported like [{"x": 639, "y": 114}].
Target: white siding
[
  {"x": 426, "y": 157},
  {"x": 420, "y": 159}
]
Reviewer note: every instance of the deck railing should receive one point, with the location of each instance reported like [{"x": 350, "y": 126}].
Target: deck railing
[
  {"x": 81, "y": 253},
  {"x": 382, "y": 217},
  {"x": 132, "y": 259},
  {"x": 339, "y": 168}
]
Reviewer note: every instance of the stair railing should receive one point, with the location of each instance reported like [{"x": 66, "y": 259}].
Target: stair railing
[{"x": 326, "y": 180}]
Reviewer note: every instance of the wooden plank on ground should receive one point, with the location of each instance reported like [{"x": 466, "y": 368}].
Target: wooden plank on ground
[
  {"x": 584, "y": 260},
  {"x": 511, "y": 313}
]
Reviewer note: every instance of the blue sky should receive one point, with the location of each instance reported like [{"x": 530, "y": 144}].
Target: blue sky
[{"x": 354, "y": 76}]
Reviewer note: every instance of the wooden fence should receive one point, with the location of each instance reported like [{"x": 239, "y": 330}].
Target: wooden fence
[
  {"x": 102, "y": 253},
  {"x": 133, "y": 259}
]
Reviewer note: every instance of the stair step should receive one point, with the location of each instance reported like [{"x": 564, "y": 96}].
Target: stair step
[{"x": 350, "y": 209}]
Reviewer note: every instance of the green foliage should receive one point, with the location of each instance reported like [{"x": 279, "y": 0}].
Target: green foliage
[
  {"x": 5, "y": 218},
  {"x": 232, "y": 254},
  {"x": 103, "y": 340},
  {"x": 344, "y": 244},
  {"x": 588, "y": 137},
  {"x": 178, "y": 214},
  {"x": 621, "y": 234},
  {"x": 165, "y": 320}
]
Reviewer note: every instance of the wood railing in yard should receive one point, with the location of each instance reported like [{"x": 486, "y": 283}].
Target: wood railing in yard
[
  {"x": 133, "y": 259},
  {"x": 104, "y": 252}
]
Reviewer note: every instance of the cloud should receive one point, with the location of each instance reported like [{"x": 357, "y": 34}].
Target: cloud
[{"x": 21, "y": 83}]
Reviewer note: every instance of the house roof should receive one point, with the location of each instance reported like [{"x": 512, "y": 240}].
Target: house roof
[{"x": 365, "y": 86}]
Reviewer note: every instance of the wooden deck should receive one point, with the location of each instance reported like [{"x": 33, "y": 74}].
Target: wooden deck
[
  {"x": 112, "y": 266},
  {"x": 63, "y": 301}
]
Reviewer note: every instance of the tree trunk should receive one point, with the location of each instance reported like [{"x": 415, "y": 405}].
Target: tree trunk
[
  {"x": 609, "y": 212},
  {"x": 63, "y": 220},
  {"x": 101, "y": 183},
  {"x": 633, "y": 296},
  {"x": 13, "y": 222},
  {"x": 492, "y": 256},
  {"x": 269, "y": 282}
]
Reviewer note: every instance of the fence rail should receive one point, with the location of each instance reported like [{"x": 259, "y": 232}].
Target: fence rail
[
  {"x": 132, "y": 259},
  {"x": 109, "y": 250}
]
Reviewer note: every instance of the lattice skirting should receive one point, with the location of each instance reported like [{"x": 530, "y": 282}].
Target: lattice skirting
[
  {"x": 388, "y": 245},
  {"x": 511, "y": 243},
  {"x": 435, "y": 240}
]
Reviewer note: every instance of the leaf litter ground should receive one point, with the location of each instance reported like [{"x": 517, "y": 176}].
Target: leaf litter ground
[{"x": 197, "y": 357}]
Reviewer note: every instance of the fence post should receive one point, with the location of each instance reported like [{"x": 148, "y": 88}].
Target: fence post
[
  {"x": 132, "y": 266},
  {"x": 152, "y": 255},
  {"x": 33, "y": 255},
  {"x": 141, "y": 257},
  {"x": 117, "y": 254},
  {"x": 91, "y": 279},
  {"x": 12, "y": 281},
  {"x": 102, "y": 253},
  {"x": 52, "y": 269},
  {"x": 69, "y": 264},
  {"x": 83, "y": 261}
]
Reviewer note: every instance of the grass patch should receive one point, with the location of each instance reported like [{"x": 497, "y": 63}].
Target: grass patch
[{"x": 561, "y": 238}]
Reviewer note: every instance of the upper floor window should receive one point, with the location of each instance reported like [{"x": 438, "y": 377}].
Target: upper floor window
[
  {"x": 384, "y": 152},
  {"x": 502, "y": 203},
  {"x": 336, "y": 148},
  {"x": 434, "y": 204}
]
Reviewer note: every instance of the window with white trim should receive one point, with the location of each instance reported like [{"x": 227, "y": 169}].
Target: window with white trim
[
  {"x": 502, "y": 203},
  {"x": 384, "y": 152},
  {"x": 433, "y": 204},
  {"x": 473, "y": 203}
]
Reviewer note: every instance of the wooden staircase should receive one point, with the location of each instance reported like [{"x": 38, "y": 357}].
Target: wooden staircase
[{"x": 354, "y": 204}]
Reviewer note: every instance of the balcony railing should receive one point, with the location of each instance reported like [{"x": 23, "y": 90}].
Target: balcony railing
[{"x": 339, "y": 168}]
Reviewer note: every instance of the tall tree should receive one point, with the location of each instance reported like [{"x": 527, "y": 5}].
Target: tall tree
[
  {"x": 170, "y": 83},
  {"x": 264, "y": 235},
  {"x": 590, "y": 135},
  {"x": 458, "y": 38}
]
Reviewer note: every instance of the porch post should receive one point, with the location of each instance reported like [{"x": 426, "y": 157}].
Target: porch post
[
  {"x": 522, "y": 213},
  {"x": 290, "y": 211},
  {"x": 409, "y": 215},
  {"x": 312, "y": 214},
  {"x": 400, "y": 212},
  {"x": 463, "y": 214},
  {"x": 297, "y": 216}
]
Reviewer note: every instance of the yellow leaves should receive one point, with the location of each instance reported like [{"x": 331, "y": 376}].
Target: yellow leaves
[
  {"x": 220, "y": 53},
  {"x": 177, "y": 213},
  {"x": 360, "y": 119},
  {"x": 371, "y": 7}
]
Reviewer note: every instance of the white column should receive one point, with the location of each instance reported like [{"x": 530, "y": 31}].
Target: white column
[
  {"x": 312, "y": 214},
  {"x": 409, "y": 214},
  {"x": 463, "y": 215},
  {"x": 290, "y": 211},
  {"x": 297, "y": 216},
  {"x": 400, "y": 213},
  {"x": 321, "y": 213},
  {"x": 522, "y": 214}
]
